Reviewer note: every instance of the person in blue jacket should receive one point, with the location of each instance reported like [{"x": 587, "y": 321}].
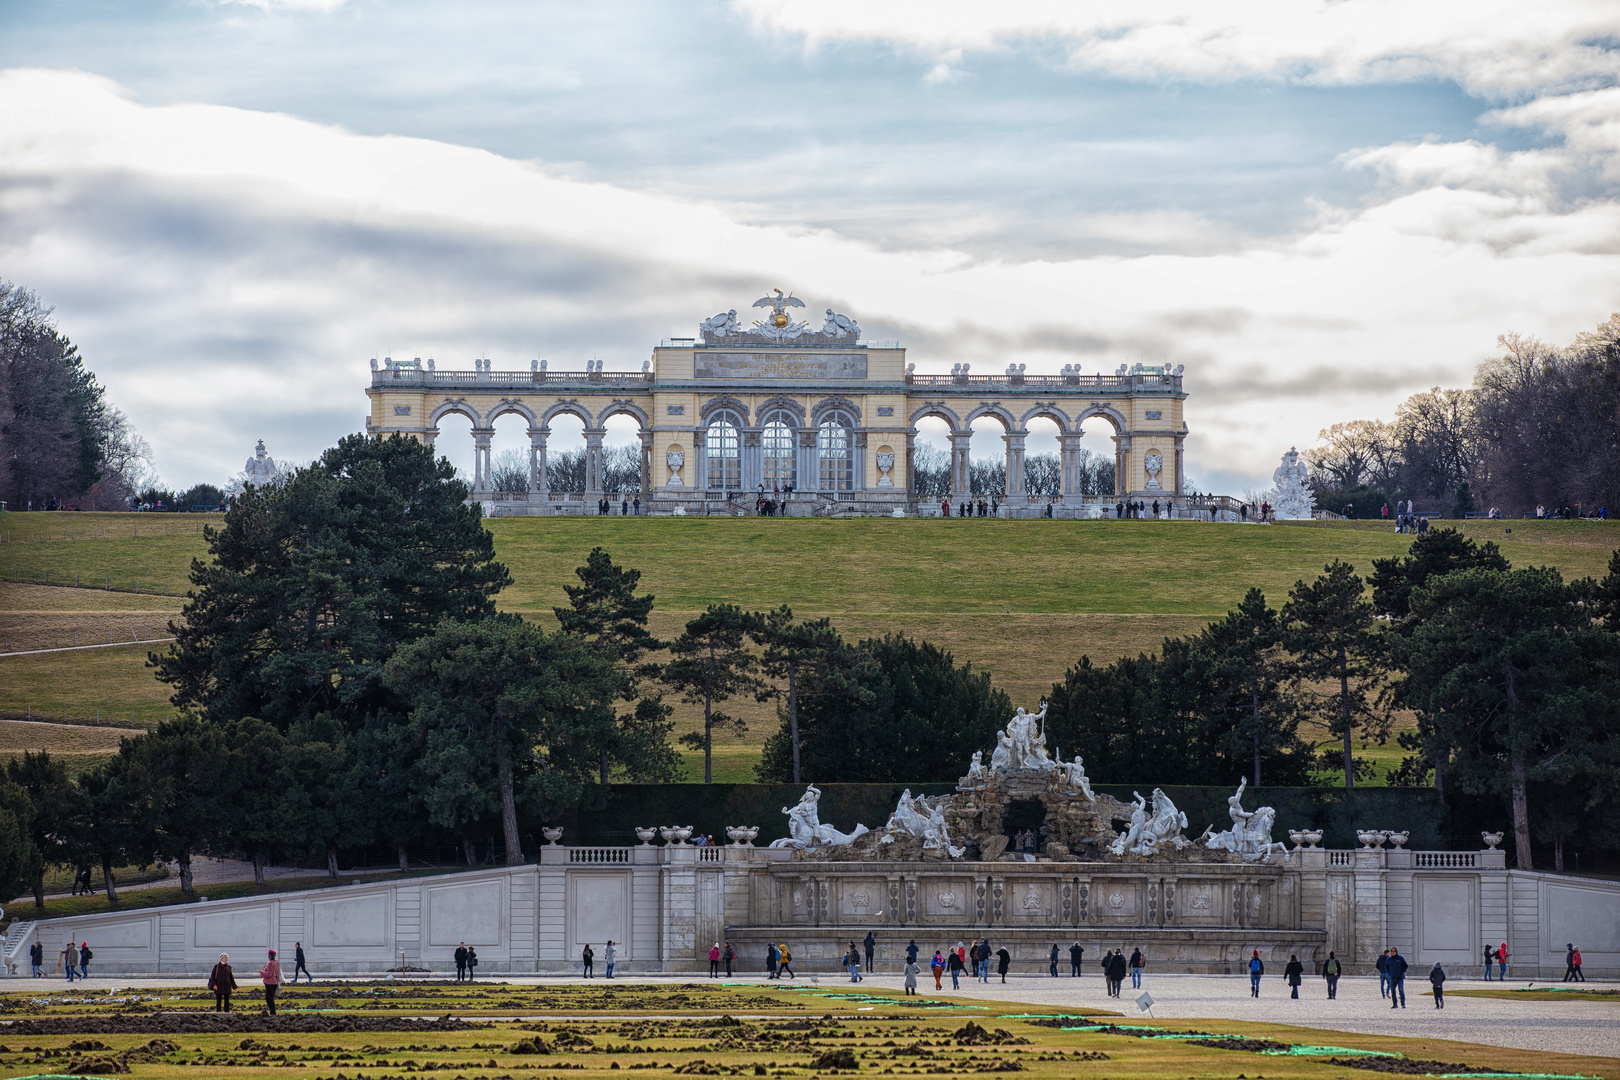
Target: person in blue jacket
[{"x": 1257, "y": 968}]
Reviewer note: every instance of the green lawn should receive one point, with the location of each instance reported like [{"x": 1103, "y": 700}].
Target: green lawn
[{"x": 1022, "y": 600}]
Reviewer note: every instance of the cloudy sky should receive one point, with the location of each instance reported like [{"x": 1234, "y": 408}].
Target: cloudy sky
[{"x": 1318, "y": 207}]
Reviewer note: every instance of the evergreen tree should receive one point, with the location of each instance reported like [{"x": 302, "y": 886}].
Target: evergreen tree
[
  {"x": 1517, "y": 683},
  {"x": 1606, "y": 596},
  {"x": 50, "y": 797},
  {"x": 1432, "y": 554},
  {"x": 103, "y": 831},
  {"x": 492, "y": 702},
  {"x": 807, "y": 659},
  {"x": 181, "y": 788},
  {"x": 314, "y": 583},
  {"x": 605, "y": 610},
  {"x": 711, "y": 662},
  {"x": 21, "y": 864},
  {"x": 1328, "y": 628},
  {"x": 1249, "y": 672},
  {"x": 914, "y": 722}
]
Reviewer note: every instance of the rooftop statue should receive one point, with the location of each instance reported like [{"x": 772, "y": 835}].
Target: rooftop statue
[
  {"x": 779, "y": 328},
  {"x": 805, "y": 829}
]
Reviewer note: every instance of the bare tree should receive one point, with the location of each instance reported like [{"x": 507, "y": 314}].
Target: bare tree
[{"x": 1434, "y": 437}]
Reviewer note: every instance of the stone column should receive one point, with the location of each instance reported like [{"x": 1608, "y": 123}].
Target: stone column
[
  {"x": 537, "y": 460},
  {"x": 699, "y": 472},
  {"x": 1014, "y": 441},
  {"x": 1122, "y": 457},
  {"x": 961, "y": 465},
  {"x": 481, "y": 469},
  {"x": 753, "y": 459},
  {"x": 1071, "y": 464},
  {"x": 809, "y": 467},
  {"x": 860, "y": 479},
  {"x": 645, "y": 482},
  {"x": 1181, "y": 477},
  {"x": 593, "y": 462},
  {"x": 910, "y": 454}
]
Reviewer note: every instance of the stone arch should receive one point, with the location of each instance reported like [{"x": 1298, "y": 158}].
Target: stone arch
[
  {"x": 725, "y": 401},
  {"x": 997, "y": 410},
  {"x": 939, "y": 409},
  {"x": 1051, "y": 412},
  {"x": 1107, "y": 412},
  {"x": 572, "y": 408},
  {"x": 625, "y": 408},
  {"x": 838, "y": 402},
  {"x": 506, "y": 407},
  {"x": 786, "y": 404},
  {"x": 449, "y": 407}
]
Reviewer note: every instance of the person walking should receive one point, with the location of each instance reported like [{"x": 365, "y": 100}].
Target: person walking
[
  {"x": 1076, "y": 954},
  {"x": 937, "y": 966},
  {"x": 84, "y": 959},
  {"x": 1578, "y": 976},
  {"x": 1257, "y": 968},
  {"x": 772, "y": 957},
  {"x": 1383, "y": 974},
  {"x": 36, "y": 959},
  {"x": 1501, "y": 962},
  {"x": 784, "y": 966},
  {"x": 728, "y": 954},
  {"x": 1293, "y": 975},
  {"x": 911, "y": 977},
  {"x": 1490, "y": 955},
  {"x": 1569, "y": 962},
  {"x": 1118, "y": 971},
  {"x": 714, "y": 961},
  {"x": 222, "y": 982},
  {"x": 472, "y": 962},
  {"x": 954, "y": 962},
  {"x": 1003, "y": 962},
  {"x": 1054, "y": 958},
  {"x": 981, "y": 956},
  {"x": 70, "y": 960},
  {"x": 609, "y": 956},
  {"x": 1397, "y": 977},
  {"x": 911, "y": 952},
  {"x": 1138, "y": 962},
  {"x": 461, "y": 961},
  {"x": 1331, "y": 970},
  {"x": 871, "y": 947},
  {"x": 270, "y": 975},
  {"x": 298, "y": 963},
  {"x": 1437, "y": 979},
  {"x": 587, "y": 957},
  {"x": 852, "y": 963}
]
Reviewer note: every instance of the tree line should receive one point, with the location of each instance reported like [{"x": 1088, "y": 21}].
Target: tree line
[
  {"x": 343, "y": 680},
  {"x": 1540, "y": 426},
  {"x": 61, "y": 443}
]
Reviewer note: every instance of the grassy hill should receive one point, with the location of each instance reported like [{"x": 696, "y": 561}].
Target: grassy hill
[{"x": 1021, "y": 599}]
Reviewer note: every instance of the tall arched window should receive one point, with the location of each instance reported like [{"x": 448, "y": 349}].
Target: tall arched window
[
  {"x": 776, "y": 442},
  {"x": 723, "y": 444},
  {"x": 835, "y": 452}
]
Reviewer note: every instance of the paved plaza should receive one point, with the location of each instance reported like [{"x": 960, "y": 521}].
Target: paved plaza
[{"x": 1572, "y": 1027}]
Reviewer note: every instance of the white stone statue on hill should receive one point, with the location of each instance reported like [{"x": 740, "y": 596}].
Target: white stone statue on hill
[
  {"x": 1023, "y": 744},
  {"x": 1291, "y": 499},
  {"x": 805, "y": 829},
  {"x": 923, "y": 817}
]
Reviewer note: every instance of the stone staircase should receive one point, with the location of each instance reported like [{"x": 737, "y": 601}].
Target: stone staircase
[{"x": 17, "y": 940}]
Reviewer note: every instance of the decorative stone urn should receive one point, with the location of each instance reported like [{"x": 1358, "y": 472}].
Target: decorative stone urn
[
  {"x": 552, "y": 833},
  {"x": 1370, "y": 839},
  {"x": 1492, "y": 839},
  {"x": 683, "y": 833},
  {"x": 670, "y": 833},
  {"x": 1313, "y": 837},
  {"x": 645, "y": 835},
  {"x": 1297, "y": 837},
  {"x": 1399, "y": 839}
]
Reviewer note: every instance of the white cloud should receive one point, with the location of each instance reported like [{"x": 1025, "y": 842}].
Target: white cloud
[
  {"x": 1491, "y": 47},
  {"x": 229, "y": 272}
]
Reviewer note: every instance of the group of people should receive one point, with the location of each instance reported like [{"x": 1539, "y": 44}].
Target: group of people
[
  {"x": 1114, "y": 966},
  {"x": 718, "y": 956},
  {"x": 779, "y": 960},
  {"x": 1026, "y": 842},
  {"x": 970, "y": 508},
  {"x": 467, "y": 962},
  {"x": 1497, "y": 954},
  {"x": 74, "y": 960},
  {"x": 222, "y": 980},
  {"x": 587, "y": 956},
  {"x": 769, "y": 506},
  {"x": 604, "y": 507}
]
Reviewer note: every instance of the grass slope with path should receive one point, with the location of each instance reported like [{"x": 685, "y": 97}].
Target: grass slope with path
[{"x": 1023, "y": 600}]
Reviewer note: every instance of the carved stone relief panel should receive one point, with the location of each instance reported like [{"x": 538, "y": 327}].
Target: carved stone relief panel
[
  {"x": 996, "y": 895},
  {"x": 1032, "y": 901},
  {"x": 1066, "y": 899},
  {"x": 946, "y": 899},
  {"x": 1117, "y": 900},
  {"x": 1085, "y": 898},
  {"x": 911, "y": 901},
  {"x": 1152, "y": 903},
  {"x": 861, "y": 899},
  {"x": 978, "y": 901}
]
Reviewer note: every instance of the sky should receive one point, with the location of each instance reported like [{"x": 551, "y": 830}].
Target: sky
[{"x": 1318, "y": 207}]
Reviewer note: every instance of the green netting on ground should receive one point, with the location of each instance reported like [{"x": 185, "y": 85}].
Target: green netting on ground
[{"x": 1331, "y": 1051}]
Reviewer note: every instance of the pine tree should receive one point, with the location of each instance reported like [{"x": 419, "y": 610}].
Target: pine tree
[{"x": 711, "y": 662}]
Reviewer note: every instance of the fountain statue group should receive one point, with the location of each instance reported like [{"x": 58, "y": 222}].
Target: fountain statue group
[{"x": 1020, "y": 757}]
